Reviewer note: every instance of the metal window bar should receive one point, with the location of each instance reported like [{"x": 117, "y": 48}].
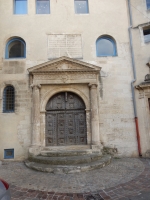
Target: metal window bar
[{"x": 8, "y": 99}]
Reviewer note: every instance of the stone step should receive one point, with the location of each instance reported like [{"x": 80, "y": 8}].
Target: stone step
[
  {"x": 65, "y": 153},
  {"x": 66, "y": 160},
  {"x": 67, "y": 148},
  {"x": 67, "y": 169}
]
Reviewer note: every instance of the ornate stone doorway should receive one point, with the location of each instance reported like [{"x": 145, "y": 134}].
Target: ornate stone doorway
[
  {"x": 66, "y": 109},
  {"x": 65, "y": 120}
]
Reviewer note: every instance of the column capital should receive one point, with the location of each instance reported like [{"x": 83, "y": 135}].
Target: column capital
[
  {"x": 93, "y": 85},
  {"x": 38, "y": 86}
]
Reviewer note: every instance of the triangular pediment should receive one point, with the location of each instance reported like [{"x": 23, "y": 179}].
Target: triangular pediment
[{"x": 63, "y": 64}]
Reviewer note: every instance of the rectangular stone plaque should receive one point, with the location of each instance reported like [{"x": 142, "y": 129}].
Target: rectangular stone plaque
[{"x": 64, "y": 45}]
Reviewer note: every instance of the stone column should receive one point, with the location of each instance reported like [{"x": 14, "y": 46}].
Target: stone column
[
  {"x": 88, "y": 124},
  {"x": 36, "y": 115},
  {"x": 94, "y": 115}
]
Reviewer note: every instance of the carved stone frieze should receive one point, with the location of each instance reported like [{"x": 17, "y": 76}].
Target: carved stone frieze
[
  {"x": 63, "y": 66},
  {"x": 65, "y": 76}
]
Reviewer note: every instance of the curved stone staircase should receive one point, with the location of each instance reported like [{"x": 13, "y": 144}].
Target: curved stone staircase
[{"x": 70, "y": 161}]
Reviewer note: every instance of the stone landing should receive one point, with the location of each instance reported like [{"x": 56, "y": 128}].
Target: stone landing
[{"x": 68, "y": 161}]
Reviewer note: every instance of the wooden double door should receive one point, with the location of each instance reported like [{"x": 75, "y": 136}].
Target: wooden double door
[{"x": 65, "y": 120}]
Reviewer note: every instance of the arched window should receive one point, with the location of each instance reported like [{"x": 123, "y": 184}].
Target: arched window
[
  {"x": 16, "y": 48},
  {"x": 106, "y": 46},
  {"x": 9, "y": 99}
]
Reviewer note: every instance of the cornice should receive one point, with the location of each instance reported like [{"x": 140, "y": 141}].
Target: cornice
[
  {"x": 143, "y": 85},
  {"x": 86, "y": 66},
  {"x": 65, "y": 72}
]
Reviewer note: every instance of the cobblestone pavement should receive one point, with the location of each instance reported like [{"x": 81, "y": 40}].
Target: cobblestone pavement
[{"x": 123, "y": 179}]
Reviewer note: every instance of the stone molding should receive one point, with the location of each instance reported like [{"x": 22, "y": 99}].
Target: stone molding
[
  {"x": 144, "y": 90},
  {"x": 143, "y": 86},
  {"x": 93, "y": 85}
]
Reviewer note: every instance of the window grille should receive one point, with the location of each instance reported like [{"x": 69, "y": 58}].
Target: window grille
[
  {"x": 81, "y": 6},
  {"x": 106, "y": 46},
  {"x": 15, "y": 48},
  {"x": 42, "y": 6},
  {"x": 9, "y": 99},
  {"x": 20, "y": 7},
  {"x": 8, "y": 153}
]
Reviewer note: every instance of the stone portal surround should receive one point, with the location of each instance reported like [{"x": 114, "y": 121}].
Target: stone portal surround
[
  {"x": 63, "y": 88},
  {"x": 93, "y": 116},
  {"x": 60, "y": 75}
]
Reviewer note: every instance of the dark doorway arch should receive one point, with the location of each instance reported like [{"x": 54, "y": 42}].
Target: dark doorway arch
[{"x": 65, "y": 120}]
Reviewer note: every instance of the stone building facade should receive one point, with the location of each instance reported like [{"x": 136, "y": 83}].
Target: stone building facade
[
  {"x": 61, "y": 56},
  {"x": 140, "y": 15}
]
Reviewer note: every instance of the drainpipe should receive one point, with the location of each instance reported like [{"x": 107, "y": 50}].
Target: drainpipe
[{"x": 133, "y": 81}]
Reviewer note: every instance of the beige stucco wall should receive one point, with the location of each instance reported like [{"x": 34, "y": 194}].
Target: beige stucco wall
[{"x": 117, "y": 128}]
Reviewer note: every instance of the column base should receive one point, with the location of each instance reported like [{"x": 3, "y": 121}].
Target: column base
[
  {"x": 97, "y": 148},
  {"x": 34, "y": 150}
]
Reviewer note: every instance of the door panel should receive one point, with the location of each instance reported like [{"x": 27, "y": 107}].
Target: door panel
[
  {"x": 61, "y": 128},
  {"x": 51, "y": 130},
  {"x": 65, "y": 120},
  {"x": 70, "y": 128}
]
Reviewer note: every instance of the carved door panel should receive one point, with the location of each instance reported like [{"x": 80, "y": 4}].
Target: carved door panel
[
  {"x": 51, "y": 129},
  {"x": 81, "y": 127},
  {"x": 61, "y": 139},
  {"x": 65, "y": 120},
  {"x": 70, "y": 128}
]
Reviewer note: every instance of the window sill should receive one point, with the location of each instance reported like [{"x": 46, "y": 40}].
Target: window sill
[
  {"x": 20, "y": 14},
  {"x": 43, "y": 14},
  {"x": 9, "y": 59},
  {"x": 107, "y": 56},
  {"x": 82, "y": 13},
  {"x": 8, "y": 113}
]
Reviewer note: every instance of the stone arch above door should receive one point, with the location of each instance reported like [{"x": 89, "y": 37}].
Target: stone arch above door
[{"x": 52, "y": 92}]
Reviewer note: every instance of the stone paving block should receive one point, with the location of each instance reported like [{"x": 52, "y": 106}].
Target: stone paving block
[{"x": 136, "y": 189}]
